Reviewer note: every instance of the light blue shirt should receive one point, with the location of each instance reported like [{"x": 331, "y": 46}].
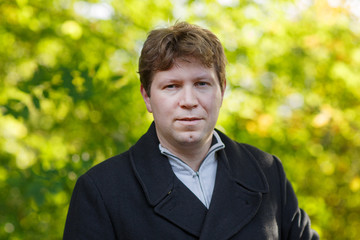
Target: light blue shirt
[{"x": 202, "y": 182}]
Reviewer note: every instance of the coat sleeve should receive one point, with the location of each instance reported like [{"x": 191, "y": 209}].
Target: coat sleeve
[
  {"x": 295, "y": 222},
  {"x": 87, "y": 217}
]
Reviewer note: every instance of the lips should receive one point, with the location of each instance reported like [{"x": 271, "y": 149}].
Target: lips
[{"x": 189, "y": 119}]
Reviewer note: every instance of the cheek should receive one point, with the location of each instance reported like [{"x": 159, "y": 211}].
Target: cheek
[
  {"x": 162, "y": 106},
  {"x": 214, "y": 103}
]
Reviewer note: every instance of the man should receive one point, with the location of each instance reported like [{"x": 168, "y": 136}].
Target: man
[{"x": 183, "y": 179}]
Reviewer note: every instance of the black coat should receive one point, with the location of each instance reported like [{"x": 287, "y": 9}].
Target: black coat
[{"x": 136, "y": 195}]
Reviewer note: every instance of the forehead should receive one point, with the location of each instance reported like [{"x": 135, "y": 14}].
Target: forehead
[{"x": 186, "y": 68}]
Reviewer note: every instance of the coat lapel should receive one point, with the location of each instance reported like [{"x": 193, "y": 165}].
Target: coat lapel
[
  {"x": 237, "y": 194},
  {"x": 183, "y": 208},
  {"x": 170, "y": 198}
]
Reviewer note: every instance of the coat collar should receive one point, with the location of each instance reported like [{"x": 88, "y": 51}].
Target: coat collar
[
  {"x": 243, "y": 166},
  {"x": 151, "y": 167},
  {"x": 170, "y": 198},
  {"x": 237, "y": 181}
]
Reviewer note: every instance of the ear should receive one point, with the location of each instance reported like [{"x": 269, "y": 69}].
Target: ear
[
  {"x": 223, "y": 89},
  {"x": 146, "y": 98}
]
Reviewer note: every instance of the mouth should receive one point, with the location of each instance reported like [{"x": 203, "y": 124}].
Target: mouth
[
  {"x": 189, "y": 122},
  {"x": 189, "y": 119}
]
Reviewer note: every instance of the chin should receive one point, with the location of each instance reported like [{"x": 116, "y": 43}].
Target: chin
[{"x": 190, "y": 138}]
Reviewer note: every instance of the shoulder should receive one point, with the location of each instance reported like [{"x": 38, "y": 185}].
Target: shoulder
[
  {"x": 110, "y": 165},
  {"x": 264, "y": 159},
  {"x": 113, "y": 170}
]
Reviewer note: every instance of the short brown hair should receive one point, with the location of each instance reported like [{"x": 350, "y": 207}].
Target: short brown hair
[{"x": 164, "y": 46}]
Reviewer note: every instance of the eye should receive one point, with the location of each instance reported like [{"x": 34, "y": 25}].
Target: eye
[
  {"x": 202, "y": 84},
  {"x": 170, "y": 86}
]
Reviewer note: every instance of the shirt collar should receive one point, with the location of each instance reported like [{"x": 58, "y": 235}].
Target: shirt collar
[
  {"x": 154, "y": 173},
  {"x": 216, "y": 145}
]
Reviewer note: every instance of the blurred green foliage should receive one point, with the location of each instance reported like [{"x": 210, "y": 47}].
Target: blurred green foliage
[{"x": 69, "y": 97}]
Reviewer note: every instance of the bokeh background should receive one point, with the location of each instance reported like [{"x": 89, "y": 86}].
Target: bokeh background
[{"x": 69, "y": 97}]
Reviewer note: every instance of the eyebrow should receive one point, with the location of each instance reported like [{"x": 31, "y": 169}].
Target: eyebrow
[{"x": 197, "y": 78}]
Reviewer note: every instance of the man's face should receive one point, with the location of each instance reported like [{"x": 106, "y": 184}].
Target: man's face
[{"x": 185, "y": 102}]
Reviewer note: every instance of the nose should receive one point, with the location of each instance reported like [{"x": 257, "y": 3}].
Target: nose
[{"x": 188, "y": 98}]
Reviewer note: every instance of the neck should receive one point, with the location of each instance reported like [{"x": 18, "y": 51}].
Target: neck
[{"x": 192, "y": 154}]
